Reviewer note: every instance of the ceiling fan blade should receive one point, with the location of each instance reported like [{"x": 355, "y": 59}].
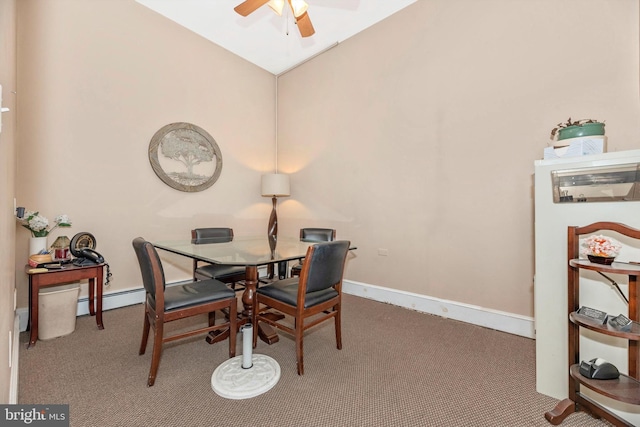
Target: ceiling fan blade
[
  {"x": 249, "y": 6},
  {"x": 305, "y": 26}
]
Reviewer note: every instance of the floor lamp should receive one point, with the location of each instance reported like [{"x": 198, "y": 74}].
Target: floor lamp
[{"x": 274, "y": 185}]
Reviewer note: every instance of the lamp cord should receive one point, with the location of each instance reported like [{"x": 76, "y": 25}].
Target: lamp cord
[{"x": 276, "y": 124}]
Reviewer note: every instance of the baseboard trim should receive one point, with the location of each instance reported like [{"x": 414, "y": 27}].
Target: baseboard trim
[
  {"x": 15, "y": 362},
  {"x": 488, "y": 318}
]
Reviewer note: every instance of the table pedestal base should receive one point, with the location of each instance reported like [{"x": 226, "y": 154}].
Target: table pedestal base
[
  {"x": 267, "y": 333},
  {"x": 230, "y": 380}
]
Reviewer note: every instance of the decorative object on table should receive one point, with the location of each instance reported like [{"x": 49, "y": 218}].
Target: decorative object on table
[
  {"x": 576, "y": 138},
  {"x": 593, "y": 314},
  {"x": 577, "y": 128},
  {"x": 185, "y": 157},
  {"x": 36, "y": 260},
  {"x": 606, "y": 260},
  {"x": 38, "y": 245},
  {"x": 39, "y": 227},
  {"x": 82, "y": 246},
  {"x": 598, "y": 369},
  {"x": 600, "y": 249},
  {"x": 274, "y": 185},
  {"x": 60, "y": 249},
  {"x": 621, "y": 322},
  {"x": 576, "y": 147},
  {"x": 82, "y": 240},
  {"x": 247, "y": 375}
]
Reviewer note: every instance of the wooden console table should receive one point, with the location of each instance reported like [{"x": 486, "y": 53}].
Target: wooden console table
[{"x": 68, "y": 273}]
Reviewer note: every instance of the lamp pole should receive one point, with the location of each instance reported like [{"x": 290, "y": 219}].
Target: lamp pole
[{"x": 274, "y": 185}]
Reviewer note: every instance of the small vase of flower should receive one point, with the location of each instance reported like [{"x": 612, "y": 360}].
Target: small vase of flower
[
  {"x": 40, "y": 228},
  {"x": 600, "y": 249}
]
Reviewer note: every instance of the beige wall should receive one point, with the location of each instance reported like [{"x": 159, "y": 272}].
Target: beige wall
[
  {"x": 7, "y": 188},
  {"x": 97, "y": 79},
  {"x": 419, "y": 135}
]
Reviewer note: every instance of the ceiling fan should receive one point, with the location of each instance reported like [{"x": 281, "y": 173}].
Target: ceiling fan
[{"x": 298, "y": 8}]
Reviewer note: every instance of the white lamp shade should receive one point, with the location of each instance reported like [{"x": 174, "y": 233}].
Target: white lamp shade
[
  {"x": 299, "y": 7},
  {"x": 275, "y": 184},
  {"x": 277, "y": 6}
]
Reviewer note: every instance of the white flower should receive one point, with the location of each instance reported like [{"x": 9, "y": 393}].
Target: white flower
[
  {"x": 39, "y": 225},
  {"x": 63, "y": 221}
]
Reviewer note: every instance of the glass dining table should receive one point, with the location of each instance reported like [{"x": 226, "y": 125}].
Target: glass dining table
[{"x": 248, "y": 251}]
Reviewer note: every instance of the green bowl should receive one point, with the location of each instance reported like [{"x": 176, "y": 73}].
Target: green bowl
[{"x": 587, "y": 129}]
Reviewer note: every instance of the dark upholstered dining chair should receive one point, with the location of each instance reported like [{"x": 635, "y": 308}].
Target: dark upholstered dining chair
[
  {"x": 225, "y": 273},
  {"x": 311, "y": 298},
  {"x": 313, "y": 235},
  {"x": 165, "y": 304}
]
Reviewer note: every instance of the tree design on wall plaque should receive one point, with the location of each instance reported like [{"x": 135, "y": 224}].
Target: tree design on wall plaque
[{"x": 185, "y": 157}]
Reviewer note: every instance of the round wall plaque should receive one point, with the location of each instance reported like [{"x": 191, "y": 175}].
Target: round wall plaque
[{"x": 185, "y": 157}]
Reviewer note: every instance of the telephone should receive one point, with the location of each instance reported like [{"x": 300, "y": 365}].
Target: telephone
[
  {"x": 88, "y": 256},
  {"x": 598, "y": 369}
]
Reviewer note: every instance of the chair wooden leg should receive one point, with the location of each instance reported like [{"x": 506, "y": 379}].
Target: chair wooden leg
[
  {"x": 299, "y": 347},
  {"x": 157, "y": 353},
  {"x": 212, "y": 318},
  {"x": 338, "y": 329},
  {"x": 145, "y": 333}
]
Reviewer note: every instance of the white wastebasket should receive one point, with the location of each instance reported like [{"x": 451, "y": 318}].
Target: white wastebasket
[{"x": 57, "y": 308}]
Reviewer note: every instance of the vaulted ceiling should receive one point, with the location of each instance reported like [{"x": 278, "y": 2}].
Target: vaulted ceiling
[{"x": 270, "y": 41}]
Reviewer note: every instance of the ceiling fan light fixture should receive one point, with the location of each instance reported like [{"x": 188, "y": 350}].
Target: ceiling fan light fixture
[
  {"x": 277, "y": 6},
  {"x": 299, "y": 7}
]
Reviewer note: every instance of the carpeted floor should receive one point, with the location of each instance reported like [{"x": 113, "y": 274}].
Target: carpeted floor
[{"x": 397, "y": 368}]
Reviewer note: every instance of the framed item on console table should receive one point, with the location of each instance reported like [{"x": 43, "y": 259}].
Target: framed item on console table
[{"x": 185, "y": 157}]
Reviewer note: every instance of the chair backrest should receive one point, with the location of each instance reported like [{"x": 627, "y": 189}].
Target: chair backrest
[
  {"x": 324, "y": 265},
  {"x": 150, "y": 266},
  {"x": 317, "y": 234},
  {"x": 211, "y": 235}
]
